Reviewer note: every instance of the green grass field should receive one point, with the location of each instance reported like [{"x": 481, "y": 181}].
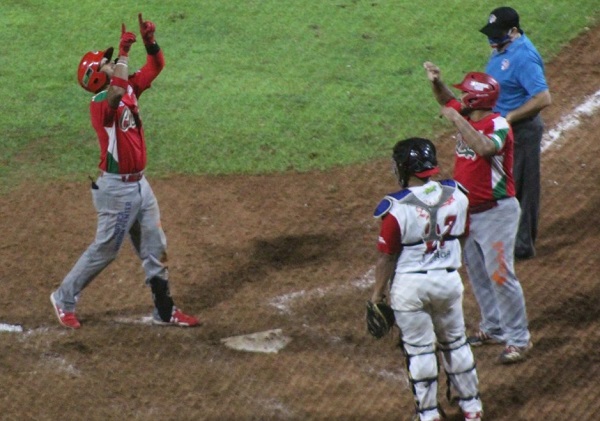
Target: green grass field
[{"x": 250, "y": 86}]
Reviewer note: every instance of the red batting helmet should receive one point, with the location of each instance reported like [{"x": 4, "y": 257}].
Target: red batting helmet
[
  {"x": 481, "y": 89},
  {"x": 89, "y": 75}
]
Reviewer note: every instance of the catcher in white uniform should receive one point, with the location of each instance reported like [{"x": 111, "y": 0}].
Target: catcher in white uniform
[{"x": 420, "y": 252}]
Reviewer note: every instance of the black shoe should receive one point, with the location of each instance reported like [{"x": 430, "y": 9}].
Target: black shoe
[
  {"x": 483, "y": 338},
  {"x": 521, "y": 254}
]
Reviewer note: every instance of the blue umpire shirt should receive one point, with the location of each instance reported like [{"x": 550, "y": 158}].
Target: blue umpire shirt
[{"x": 519, "y": 70}]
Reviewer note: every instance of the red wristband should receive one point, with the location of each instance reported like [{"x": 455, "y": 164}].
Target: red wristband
[{"x": 121, "y": 83}]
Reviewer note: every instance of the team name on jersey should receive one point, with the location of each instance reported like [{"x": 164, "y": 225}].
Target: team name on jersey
[
  {"x": 126, "y": 121},
  {"x": 463, "y": 150}
]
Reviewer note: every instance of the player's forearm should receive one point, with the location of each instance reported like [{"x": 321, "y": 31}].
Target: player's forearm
[
  {"x": 122, "y": 68},
  {"x": 118, "y": 82},
  {"x": 531, "y": 108},
  {"x": 477, "y": 141},
  {"x": 384, "y": 272},
  {"x": 155, "y": 59},
  {"x": 442, "y": 93}
]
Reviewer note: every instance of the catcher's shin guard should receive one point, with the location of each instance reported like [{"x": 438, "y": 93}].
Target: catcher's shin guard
[
  {"x": 461, "y": 373},
  {"x": 162, "y": 297},
  {"x": 423, "y": 370}
]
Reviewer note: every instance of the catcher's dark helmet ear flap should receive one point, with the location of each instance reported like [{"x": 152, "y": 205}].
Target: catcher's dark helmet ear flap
[
  {"x": 414, "y": 156},
  {"x": 481, "y": 90},
  {"x": 88, "y": 73}
]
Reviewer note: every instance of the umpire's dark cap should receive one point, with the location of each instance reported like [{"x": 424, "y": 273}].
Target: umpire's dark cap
[{"x": 500, "y": 21}]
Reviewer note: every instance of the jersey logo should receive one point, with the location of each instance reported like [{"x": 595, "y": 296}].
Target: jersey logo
[
  {"x": 463, "y": 150},
  {"x": 126, "y": 121},
  {"x": 505, "y": 64}
]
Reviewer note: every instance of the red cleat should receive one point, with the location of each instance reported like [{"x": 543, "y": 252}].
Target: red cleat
[
  {"x": 178, "y": 318},
  {"x": 65, "y": 318}
]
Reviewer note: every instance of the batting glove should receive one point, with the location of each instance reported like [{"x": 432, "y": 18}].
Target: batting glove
[
  {"x": 147, "y": 29},
  {"x": 127, "y": 39}
]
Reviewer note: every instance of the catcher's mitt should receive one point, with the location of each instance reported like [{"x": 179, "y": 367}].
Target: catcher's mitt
[{"x": 380, "y": 319}]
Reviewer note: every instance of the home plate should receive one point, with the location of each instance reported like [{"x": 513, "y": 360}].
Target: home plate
[
  {"x": 145, "y": 320},
  {"x": 269, "y": 341}
]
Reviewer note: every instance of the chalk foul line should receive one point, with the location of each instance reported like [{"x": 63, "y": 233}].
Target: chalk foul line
[{"x": 571, "y": 120}]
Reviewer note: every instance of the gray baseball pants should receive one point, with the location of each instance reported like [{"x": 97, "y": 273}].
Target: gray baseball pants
[
  {"x": 489, "y": 260},
  {"x": 123, "y": 208}
]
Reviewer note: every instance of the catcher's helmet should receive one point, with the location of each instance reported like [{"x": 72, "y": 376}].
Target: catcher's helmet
[
  {"x": 414, "y": 156},
  {"x": 481, "y": 90},
  {"x": 88, "y": 73}
]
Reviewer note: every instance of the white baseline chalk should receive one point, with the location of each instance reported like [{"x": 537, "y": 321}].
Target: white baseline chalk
[
  {"x": 571, "y": 120},
  {"x": 10, "y": 328}
]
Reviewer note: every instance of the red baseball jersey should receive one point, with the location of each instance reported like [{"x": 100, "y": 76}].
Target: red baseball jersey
[
  {"x": 120, "y": 131},
  {"x": 491, "y": 178}
]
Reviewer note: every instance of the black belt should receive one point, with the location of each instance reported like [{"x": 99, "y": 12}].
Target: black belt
[
  {"x": 425, "y": 272},
  {"x": 444, "y": 238},
  {"x": 523, "y": 121},
  {"x": 130, "y": 178},
  {"x": 126, "y": 178}
]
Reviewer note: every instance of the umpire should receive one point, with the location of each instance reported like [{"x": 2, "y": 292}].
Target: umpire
[{"x": 516, "y": 64}]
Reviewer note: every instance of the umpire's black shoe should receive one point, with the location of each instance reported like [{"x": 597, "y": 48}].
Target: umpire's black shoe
[{"x": 522, "y": 254}]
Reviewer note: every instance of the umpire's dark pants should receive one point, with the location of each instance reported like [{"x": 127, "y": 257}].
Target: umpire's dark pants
[{"x": 526, "y": 171}]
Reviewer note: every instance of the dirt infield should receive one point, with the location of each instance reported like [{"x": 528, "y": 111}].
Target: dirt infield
[{"x": 292, "y": 252}]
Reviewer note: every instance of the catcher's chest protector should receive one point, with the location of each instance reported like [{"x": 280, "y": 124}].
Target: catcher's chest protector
[
  {"x": 432, "y": 210},
  {"x": 430, "y": 218}
]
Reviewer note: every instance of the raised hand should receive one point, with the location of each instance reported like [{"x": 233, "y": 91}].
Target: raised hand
[
  {"x": 127, "y": 39},
  {"x": 433, "y": 72},
  {"x": 147, "y": 29}
]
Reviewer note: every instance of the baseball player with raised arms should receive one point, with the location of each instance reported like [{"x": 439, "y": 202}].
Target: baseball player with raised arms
[
  {"x": 419, "y": 253},
  {"x": 483, "y": 164},
  {"x": 123, "y": 198}
]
